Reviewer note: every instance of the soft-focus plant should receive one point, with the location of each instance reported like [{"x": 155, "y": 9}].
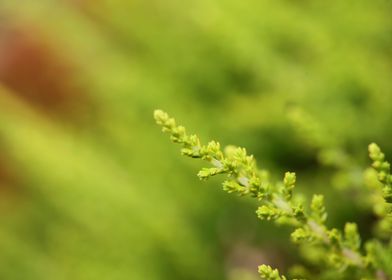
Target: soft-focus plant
[{"x": 340, "y": 254}]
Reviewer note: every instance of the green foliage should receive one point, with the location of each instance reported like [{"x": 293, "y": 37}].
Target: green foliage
[
  {"x": 268, "y": 273},
  {"x": 383, "y": 169},
  {"x": 342, "y": 251},
  {"x": 84, "y": 192},
  {"x": 384, "y": 206}
]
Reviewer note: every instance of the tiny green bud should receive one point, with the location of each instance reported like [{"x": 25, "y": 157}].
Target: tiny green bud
[
  {"x": 318, "y": 209},
  {"x": 160, "y": 116},
  {"x": 268, "y": 273},
  {"x": 265, "y": 212},
  {"x": 206, "y": 173},
  {"x": 300, "y": 235},
  {"x": 352, "y": 239}
]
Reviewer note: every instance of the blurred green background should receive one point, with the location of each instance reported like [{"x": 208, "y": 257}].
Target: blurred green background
[{"x": 91, "y": 189}]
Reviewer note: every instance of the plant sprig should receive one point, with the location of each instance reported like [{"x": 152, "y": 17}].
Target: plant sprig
[
  {"x": 342, "y": 250},
  {"x": 383, "y": 169}
]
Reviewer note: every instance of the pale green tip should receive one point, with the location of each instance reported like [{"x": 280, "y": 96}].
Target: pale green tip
[
  {"x": 374, "y": 148},
  {"x": 160, "y": 116}
]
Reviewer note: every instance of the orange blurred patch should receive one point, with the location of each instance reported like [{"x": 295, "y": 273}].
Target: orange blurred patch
[
  {"x": 38, "y": 73},
  {"x": 8, "y": 179}
]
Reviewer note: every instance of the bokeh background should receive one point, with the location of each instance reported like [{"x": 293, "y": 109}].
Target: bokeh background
[{"x": 91, "y": 189}]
